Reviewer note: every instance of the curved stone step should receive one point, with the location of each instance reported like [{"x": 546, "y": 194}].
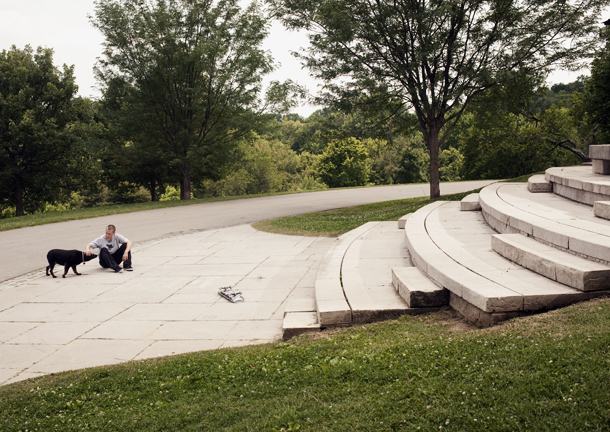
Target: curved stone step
[
  {"x": 331, "y": 304},
  {"x": 566, "y": 225},
  {"x": 454, "y": 249},
  {"x": 366, "y": 274},
  {"x": 579, "y": 183},
  {"x": 470, "y": 203},
  {"x": 539, "y": 184},
  {"x": 552, "y": 263}
]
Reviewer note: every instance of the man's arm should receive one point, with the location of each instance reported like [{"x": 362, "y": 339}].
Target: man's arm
[{"x": 88, "y": 249}]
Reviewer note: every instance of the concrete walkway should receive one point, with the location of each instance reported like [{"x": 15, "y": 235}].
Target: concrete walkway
[
  {"x": 25, "y": 250},
  {"x": 168, "y": 305}
]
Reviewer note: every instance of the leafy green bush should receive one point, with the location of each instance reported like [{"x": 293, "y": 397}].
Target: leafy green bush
[
  {"x": 311, "y": 183},
  {"x": 170, "y": 194},
  {"x": 450, "y": 164},
  {"x": 414, "y": 164},
  {"x": 344, "y": 163}
]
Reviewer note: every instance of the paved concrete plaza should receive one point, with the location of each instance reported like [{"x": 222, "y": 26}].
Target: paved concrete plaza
[
  {"x": 168, "y": 305},
  {"x": 25, "y": 250}
]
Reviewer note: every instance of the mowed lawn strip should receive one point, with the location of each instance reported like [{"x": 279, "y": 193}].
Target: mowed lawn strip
[
  {"x": 545, "y": 372},
  {"x": 333, "y": 223}
]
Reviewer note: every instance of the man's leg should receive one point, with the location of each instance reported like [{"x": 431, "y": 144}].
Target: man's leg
[
  {"x": 118, "y": 256},
  {"x": 107, "y": 260}
]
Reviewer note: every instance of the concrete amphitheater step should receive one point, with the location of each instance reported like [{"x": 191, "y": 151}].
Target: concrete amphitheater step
[
  {"x": 453, "y": 248},
  {"x": 470, "y": 203},
  {"x": 354, "y": 281},
  {"x": 366, "y": 273},
  {"x": 539, "y": 184},
  {"x": 331, "y": 305},
  {"x": 417, "y": 290},
  {"x": 579, "y": 183},
  {"x": 552, "y": 263},
  {"x": 567, "y": 225}
]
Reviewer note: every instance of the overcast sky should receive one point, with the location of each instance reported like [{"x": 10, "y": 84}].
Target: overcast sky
[{"x": 63, "y": 25}]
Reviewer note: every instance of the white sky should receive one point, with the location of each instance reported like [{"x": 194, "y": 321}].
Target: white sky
[{"x": 63, "y": 25}]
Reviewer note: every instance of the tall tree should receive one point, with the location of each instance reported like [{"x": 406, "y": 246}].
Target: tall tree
[
  {"x": 39, "y": 135},
  {"x": 193, "y": 70},
  {"x": 434, "y": 55},
  {"x": 597, "y": 88}
]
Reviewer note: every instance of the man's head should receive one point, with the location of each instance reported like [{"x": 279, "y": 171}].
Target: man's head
[{"x": 110, "y": 230}]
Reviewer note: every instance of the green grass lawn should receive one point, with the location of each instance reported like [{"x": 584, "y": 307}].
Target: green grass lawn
[
  {"x": 549, "y": 372},
  {"x": 333, "y": 223}
]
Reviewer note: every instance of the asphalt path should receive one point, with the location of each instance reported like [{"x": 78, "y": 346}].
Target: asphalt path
[{"x": 24, "y": 250}]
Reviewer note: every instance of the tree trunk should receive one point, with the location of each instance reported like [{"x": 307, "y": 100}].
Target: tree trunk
[
  {"x": 18, "y": 198},
  {"x": 153, "y": 191},
  {"x": 185, "y": 183},
  {"x": 435, "y": 189}
]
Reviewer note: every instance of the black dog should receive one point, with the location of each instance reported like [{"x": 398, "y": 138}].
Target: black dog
[{"x": 66, "y": 258}]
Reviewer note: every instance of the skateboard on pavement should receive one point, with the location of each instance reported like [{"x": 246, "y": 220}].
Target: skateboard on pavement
[{"x": 230, "y": 294}]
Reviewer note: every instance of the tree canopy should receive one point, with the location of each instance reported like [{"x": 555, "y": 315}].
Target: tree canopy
[
  {"x": 40, "y": 126},
  {"x": 437, "y": 56},
  {"x": 191, "y": 73},
  {"x": 597, "y": 94}
]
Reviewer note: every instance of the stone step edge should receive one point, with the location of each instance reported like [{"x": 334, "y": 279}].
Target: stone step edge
[
  {"x": 332, "y": 306},
  {"x": 403, "y": 220},
  {"x": 585, "y": 191},
  {"x": 417, "y": 290},
  {"x": 570, "y": 270},
  {"x": 446, "y": 272},
  {"x": 539, "y": 184},
  {"x": 488, "y": 291},
  {"x": 601, "y": 209},
  {"x": 507, "y": 219},
  {"x": 470, "y": 203},
  {"x": 297, "y": 323}
]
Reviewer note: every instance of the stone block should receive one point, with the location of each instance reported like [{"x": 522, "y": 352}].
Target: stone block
[
  {"x": 550, "y": 236},
  {"x": 600, "y": 166},
  {"x": 491, "y": 297},
  {"x": 470, "y": 203},
  {"x": 600, "y": 151},
  {"x": 333, "y": 313},
  {"x": 478, "y": 317},
  {"x": 601, "y": 209},
  {"x": 416, "y": 289},
  {"x": 296, "y": 323},
  {"x": 539, "y": 184},
  {"x": 591, "y": 245},
  {"x": 524, "y": 223},
  {"x": 554, "y": 264},
  {"x": 403, "y": 220}
]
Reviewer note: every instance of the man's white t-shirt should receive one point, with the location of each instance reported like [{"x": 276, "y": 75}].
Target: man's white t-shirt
[{"x": 113, "y": 245}]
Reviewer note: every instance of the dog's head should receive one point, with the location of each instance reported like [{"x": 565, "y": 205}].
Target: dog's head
[{"x": 90, "y": 257}]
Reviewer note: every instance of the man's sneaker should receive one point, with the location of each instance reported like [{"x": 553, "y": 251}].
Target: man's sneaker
[
  {"x": 128, "y": 268},
  {"x": 118, "y": 269}
]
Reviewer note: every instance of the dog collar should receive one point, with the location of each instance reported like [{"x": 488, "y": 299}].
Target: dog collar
[{"x": 83, "y": 257}]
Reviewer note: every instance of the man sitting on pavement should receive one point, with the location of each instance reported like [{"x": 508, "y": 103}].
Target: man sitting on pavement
[{"x": 114, "y": 249}]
